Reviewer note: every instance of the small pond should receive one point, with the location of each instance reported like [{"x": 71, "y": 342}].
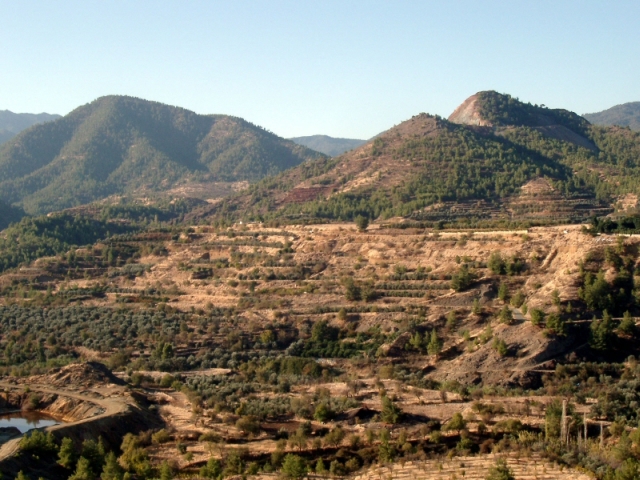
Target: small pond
[{"x": 25, "y": 421}]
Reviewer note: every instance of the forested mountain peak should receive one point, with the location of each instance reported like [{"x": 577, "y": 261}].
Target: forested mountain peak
[
  {"x": 486, "y": 163},
  {"x": 119, "y": 144},
  {"x": 497, "y": 110},
  {"x": 491, "y": 108}
]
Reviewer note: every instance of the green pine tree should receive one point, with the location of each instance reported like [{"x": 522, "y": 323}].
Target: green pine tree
[
  {"x": 390, "y": 412},
  {"x": 165, "y": 471},
  {"x": 111, "y": 469},
  {"x": 628, "y": 324},
  {"x": 505, "y": 315},
  {"x": 362, "y": 223},
  {"x": 503, "y": 292},
  {"x": 294, "y": 466},
  {"x": 500, "y": 471},
  {"x": 417, "y": 341},
  {"x": 602, "y": 333},
  {"x": 435, "y": 345},
  {"x": 83, "y": 470},
  {"x": 212, "y": 469},
  {"x": 67, "y": 453}
]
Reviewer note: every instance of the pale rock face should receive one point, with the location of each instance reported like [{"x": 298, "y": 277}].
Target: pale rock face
[{"x": 468, "y": 113}]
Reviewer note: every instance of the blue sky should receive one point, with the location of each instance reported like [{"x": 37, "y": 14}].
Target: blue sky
[{"x": 343, "y": 68}]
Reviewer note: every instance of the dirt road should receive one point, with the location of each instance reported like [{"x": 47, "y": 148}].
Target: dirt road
[{"x": 109, "y": 406}]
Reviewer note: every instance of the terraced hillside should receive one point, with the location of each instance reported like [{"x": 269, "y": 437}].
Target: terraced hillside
[
  {"x": 463, "y": 169},
  {"x": 474, "y": 468},
  {"x": 452, "y": 319},
  {"x": 388, "y": 283},
  {"x": 264, "y": 348}
]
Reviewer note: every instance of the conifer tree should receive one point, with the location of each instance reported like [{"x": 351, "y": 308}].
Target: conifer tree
[
  {"x": 83, "y": 470},
  {"x": 111, "y": 470},
  {"x": 67, "y": 453},
  {"x": 602, "y": 332},
  {"x": 435, "y": 345}
]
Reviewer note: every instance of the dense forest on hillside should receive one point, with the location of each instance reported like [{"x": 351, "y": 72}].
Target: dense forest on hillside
[
  {"x": 460, "y": 163},
  {"x": 123, "y": 144},
  {"x": 626, "y": 115},
  {"x": 36, "y": 237},
  {"x": 502, "y": 110},
  {"x": 33, "y": 238},
  {"x": 9, "y": 215}
]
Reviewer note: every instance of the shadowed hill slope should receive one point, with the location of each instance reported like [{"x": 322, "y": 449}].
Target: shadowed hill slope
[
  {"x": 9, "y": 214},
  {"x": 118, "y": 145}
]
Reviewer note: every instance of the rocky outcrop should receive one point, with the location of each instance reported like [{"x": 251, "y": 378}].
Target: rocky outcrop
[{"x": 468, "y": 113}]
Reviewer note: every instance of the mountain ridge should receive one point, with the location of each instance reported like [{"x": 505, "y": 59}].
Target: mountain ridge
[
  {"x": 13, "y": 123},
  {"x": 625, "y": 115},
  {"x": 332, "y": 146},
  {"x": 435, "y": 169},
  {"x": 119, "y": 144}
]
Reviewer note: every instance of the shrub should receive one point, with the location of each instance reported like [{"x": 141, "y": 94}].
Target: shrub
[
  {"x": 294, "y": 466},
  {"x": 335, "y": 436},
  {"x": 248, "y": 424},
  {"x": 500, "y": 471},
  {"x": 352, "y": 291},
  {"x": 161, "y": 436},
  {"x": 462, "y": 279},
  {"x": 457, "y": 423},
  {"x": 505, "y": 315},
  {"x": 390, "y": 412},
  {"x": 537, "y": 316},
  {"x": 500, "y": 346},
  {"x": 38, "y": 441},
  {"x": 362, "y": 222},
  {"x": 166, "y": 381},
  {"x": 323, "y": 412}
]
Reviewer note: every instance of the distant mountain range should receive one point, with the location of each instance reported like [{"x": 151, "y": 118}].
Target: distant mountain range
[
  {"x": 13, "y": 123},
  {"x": 626, "y": 115},
  {"x": 328, "y": 145},
  {"x": 124, "y": 145},
  {"x": 495, "y": 158}
]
